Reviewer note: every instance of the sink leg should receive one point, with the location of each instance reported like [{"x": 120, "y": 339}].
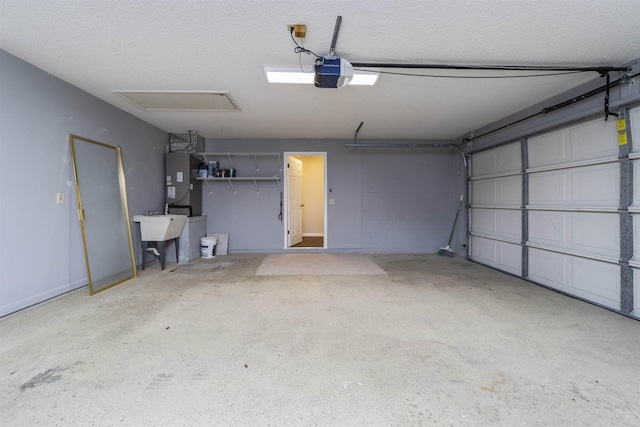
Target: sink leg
[
  {"x": 161, "y": 248},
  {"x": 177, "y": 242},
  {"x": 144, "y": 252}
]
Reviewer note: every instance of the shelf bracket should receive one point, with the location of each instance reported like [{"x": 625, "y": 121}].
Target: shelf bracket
[
  {"x": 231, "y": 185},
  {"x": 230, "y": 159},
  {"x": 255, "y": 156},
  {"x": 256, "y": 184},
  {"x": 279, "y": 162},
  {"x": 206, "y": 181}
]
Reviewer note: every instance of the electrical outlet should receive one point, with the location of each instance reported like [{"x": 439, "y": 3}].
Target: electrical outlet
[
  {"x": 60, "y": 198},
  {"x": 299, "y": 30}
]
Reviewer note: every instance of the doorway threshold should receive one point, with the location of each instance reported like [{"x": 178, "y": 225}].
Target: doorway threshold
[{"x": 310, "y": 242}]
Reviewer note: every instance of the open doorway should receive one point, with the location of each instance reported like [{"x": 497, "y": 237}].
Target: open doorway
[{"x": 305, "y": 195}]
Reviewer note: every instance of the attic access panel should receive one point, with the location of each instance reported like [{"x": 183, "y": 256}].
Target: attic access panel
[{"x": 185, "y": 101}]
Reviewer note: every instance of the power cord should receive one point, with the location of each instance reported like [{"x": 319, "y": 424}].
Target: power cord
[{"x": 301, "y": 49}]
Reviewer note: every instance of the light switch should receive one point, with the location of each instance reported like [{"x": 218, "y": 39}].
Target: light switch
[
  {"x": 60, "y": 198},
  {"x": 332, "y": 201}
]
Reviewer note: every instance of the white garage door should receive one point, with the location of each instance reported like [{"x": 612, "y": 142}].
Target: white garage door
[
  {"x": 496, "y": 201},
  {"x": 574, "y": 225},
  {"x": 634, "y": 118},
  {"x": 558, "y": 222}
]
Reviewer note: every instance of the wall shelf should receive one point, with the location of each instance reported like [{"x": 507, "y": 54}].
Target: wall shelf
[
  {"x": 243, "y": 153},
  {"x": 230, "y": 180},
  {"x": 240, "y": 178},
  {"x": 230, "y": 154}
]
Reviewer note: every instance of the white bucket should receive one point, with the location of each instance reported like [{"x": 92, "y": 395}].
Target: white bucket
[{"x": 207, "y": 247}]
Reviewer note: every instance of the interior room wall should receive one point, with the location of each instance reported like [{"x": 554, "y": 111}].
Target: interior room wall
[
  {"x": 312, "y": 195},
  {"x": 251, "y": 216},
  {"x": 409, "y": 198},
  {"x": 41, "y": 252},
  {"x": 386, "y": 200}
]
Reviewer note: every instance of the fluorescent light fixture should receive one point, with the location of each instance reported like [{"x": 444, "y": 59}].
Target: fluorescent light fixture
[
  {"x": 289, "y": 75},
  {"x": 306, "y": 75},
  {"x": 364, "y": 78}
]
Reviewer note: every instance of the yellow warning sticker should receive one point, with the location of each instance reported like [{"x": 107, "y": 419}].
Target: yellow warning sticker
[
  {"x": 622, "y": 124},
  {"x": 622, "y": 138}
]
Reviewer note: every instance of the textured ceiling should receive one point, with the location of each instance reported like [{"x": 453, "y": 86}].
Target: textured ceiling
[{"x": 204, "y": 45}]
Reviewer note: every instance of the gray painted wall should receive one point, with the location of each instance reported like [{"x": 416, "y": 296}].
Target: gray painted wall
[
  {"x": 41, "y": 253},
  {"x": 386, "y": 200}
]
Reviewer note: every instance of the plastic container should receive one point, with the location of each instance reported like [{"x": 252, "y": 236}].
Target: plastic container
[
  {"x": 212, "y": 168},
  {"x": 207, "y": 247}
]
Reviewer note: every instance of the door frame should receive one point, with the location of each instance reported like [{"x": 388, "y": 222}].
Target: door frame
[
  {"x": 116, "y": 221},
  {"x": 285, "y": 194}
]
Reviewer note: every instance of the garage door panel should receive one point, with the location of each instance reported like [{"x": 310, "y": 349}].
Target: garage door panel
[
  {"x": 548, "y": 268},
  {"x": 497, "y": 191},
  {"x": 547, "y": 227},
  {"x": 586, "y": 141},
  {"x": 636, "y": 237},
  {"x": 589, "y": 279},
  {"x": 504, "y": 159},
  {"x": 636, "y": 295},
  {"x": 505, "y": 223},
  {"x": 597, "y": 280},
  {"x": 501, "y": 255},
  {"x": 590, "y": 186},
  {"x": 548, "y": 188},
  {"x": 573, "y": 178},
  {"x": 588, "y": 233},
  {"x": 594, "y": 140},
  {"x": 483, "y": 191},
  {"x": 600, "y": 184},
  {"x": 596, "y": 233},
  {"x": 636, "y": 292},
  {"x": 484, "y": 250},
  {"x": 634, "y": 118},
  {"x": 636, "y": 179},
  {"x": 547, "y": 149}
]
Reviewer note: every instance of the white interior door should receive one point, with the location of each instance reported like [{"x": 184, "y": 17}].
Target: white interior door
[{"x": 294, "y": 197}]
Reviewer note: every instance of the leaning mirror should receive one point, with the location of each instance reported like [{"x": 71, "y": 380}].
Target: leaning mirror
[{"x": 103, "y": 213}]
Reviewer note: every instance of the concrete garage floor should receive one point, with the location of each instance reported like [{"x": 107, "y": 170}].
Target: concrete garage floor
[{"x": 435, "y": 341}]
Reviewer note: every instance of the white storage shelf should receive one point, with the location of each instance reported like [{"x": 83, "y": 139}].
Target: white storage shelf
[
  {"x": 240, "y": 178},
  {"x": 230, "y": 155},
  {"x": 254, "y": 179}
]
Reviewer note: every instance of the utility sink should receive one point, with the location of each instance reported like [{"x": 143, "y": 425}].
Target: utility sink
[{"x": 159, "y": 228}]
